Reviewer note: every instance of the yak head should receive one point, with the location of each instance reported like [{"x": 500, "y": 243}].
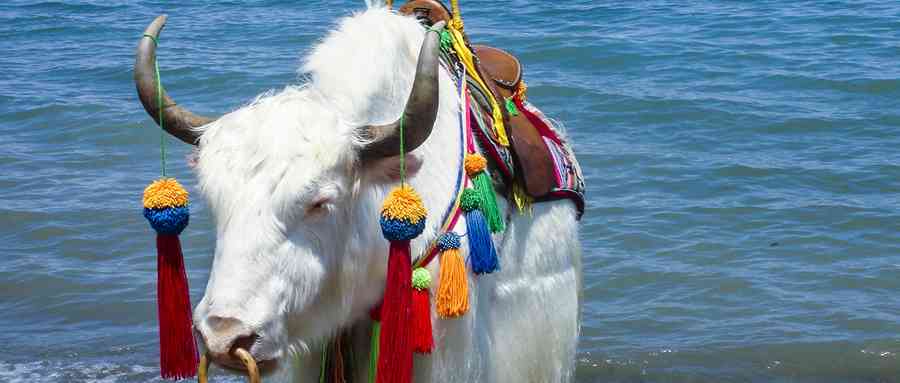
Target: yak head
[{"x": 294, "y": 181}]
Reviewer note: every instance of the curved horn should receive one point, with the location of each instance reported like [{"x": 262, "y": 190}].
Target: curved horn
[
  {"x": 177, "y": 121},
  {"x": 421, "y": 108}
]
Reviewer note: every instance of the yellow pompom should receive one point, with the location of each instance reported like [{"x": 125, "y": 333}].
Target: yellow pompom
[
  {"x": 403, "y": 203},
  {"x": 163, "y": 193},
  {"x": 475, "y": 163}
]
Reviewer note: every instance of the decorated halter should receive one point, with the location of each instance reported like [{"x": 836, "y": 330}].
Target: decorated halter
[{"x": 166, "y": 208}]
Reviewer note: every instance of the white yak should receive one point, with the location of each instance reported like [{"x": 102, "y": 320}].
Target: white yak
[{"x": 296, "y": 201}]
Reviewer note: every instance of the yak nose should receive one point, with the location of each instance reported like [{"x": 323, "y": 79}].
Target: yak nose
[{"x": 223, "y": 335}]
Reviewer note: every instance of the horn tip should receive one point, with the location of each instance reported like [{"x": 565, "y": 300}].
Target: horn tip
[{"x": 158, "y": 23}]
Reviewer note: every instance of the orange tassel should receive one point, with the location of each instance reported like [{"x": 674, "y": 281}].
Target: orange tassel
[{"x": 453, "y": 292}]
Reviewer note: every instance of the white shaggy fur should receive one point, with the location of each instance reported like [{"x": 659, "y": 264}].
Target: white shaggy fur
[{"x": 300, "y": 254}]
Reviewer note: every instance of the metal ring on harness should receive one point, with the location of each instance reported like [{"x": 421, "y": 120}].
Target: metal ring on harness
[{"x": 243, "y": 355}]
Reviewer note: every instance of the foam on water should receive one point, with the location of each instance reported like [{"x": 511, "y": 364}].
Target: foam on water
[{"x": 79, "y": 371}]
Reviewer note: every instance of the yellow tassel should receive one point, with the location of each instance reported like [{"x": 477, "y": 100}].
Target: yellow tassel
[
  {"x": 468, "y": 60},
  {"x": 522, "y": 200},
  {"x": 453, "y": 292}
]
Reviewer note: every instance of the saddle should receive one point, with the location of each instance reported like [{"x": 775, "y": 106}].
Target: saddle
[{"x": 503, "y": 74}]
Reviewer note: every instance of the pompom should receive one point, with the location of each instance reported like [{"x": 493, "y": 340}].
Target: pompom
[
  {"x": 474, "y": 164},
  {"x": 163, "y": 193},
  {"x": 402, "y": 215},
  {"x": 449, "y": 240},
  {"x": 421, "y": 279},
  {"x": 170, "y": 221},
  {"x": 401, "y": 230},
  {"x": 470, "y": 200},
  {"x": 404, "y": 203}
]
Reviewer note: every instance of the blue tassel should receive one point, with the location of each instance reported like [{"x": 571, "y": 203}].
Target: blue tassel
[{"x": 481, "y": 247}]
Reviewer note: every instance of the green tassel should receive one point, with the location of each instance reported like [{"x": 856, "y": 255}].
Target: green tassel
[
  {"x": 511, "y": 107},
  {"x": 373, "y": 352},
  {"x": 446, "y": 40},
  {"x": 485, "y": 188}
]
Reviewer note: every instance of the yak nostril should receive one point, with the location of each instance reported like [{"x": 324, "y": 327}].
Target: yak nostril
[
  {"x": 244, "y": 342},
  {"x": 222, "y": 335},
  {"x": 223, "y": 325}
]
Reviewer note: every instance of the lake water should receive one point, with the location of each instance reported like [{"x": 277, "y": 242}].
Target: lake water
[{"x": 742, "y": 162}]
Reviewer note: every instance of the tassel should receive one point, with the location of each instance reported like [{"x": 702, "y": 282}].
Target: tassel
[
  {"x": 481, "y": 246},
  {"x": 395, "y": 345},
  {"x": 337, "y": 363},
  {"x": 423, "y": 339},
  {"x": 453, "y": 292},
  {"x": 511, "y": 108},
  {"x": 521, "y": 199},
  {"x": 475, "y": 165},
  {"x": 402, "y": 219},
  {"x": 166, "y": 208},
  {"x": 375, "y": 314}
]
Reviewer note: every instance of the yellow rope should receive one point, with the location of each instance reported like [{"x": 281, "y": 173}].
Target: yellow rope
[
  {"x": 457, "y": 22},
  {"x": 468, "y": 60}
]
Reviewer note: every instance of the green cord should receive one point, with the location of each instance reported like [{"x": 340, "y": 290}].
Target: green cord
[
  {"x": 324, "y": 362},
  {"x": 402, "y": 151}
]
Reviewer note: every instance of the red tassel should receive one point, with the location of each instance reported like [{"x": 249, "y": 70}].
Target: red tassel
[
  {"x": 423, "y": 342},
  {"x": 395, "y": 346},
  {"x": 178, "y": 352}
]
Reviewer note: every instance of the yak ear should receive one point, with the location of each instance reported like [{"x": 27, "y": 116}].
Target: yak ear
[{"x": 388, "y": 169}]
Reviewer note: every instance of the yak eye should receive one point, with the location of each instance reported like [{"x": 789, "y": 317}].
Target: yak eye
[{"x": 318, "y": 206}]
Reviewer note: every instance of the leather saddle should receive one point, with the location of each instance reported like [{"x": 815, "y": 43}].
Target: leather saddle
[{"x": 503, "y": 73}]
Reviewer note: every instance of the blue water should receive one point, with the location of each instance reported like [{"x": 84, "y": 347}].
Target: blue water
[{"x": 742, "y": 164}]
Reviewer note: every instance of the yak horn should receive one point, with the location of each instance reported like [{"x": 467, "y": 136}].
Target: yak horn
[
  {"x": 176, "y": 120},
  {"x": 420, "y": 112}
]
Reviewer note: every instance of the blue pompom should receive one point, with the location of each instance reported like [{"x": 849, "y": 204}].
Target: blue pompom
[
  {"x": 401, "y": 229},
  {"x": 448, "y": 240},
  {"x": 170, "y": 220}
]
